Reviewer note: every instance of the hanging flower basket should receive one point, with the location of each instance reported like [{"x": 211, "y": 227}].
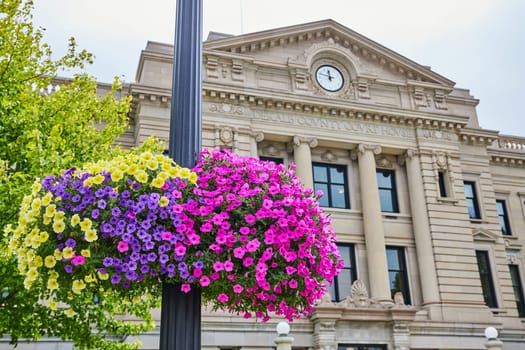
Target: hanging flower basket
[{"x": 245, "y": 231}]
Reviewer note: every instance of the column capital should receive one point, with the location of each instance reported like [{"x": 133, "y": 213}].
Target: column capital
[
  {"x": 408, "y": 154},
  {"x": 311, "y": 141},
  {"x": 363, "y": 147},
  {"x": 257, "y": 135}
]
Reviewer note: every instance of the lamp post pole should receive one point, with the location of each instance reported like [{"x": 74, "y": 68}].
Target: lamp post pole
[{"x": 180, "y": 325}]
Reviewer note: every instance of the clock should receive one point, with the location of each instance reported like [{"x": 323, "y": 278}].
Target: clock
[{"x": 329, "y": 78}]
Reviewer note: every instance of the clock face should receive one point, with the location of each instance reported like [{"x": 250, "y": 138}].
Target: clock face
[{"x": 329, "y": 77}]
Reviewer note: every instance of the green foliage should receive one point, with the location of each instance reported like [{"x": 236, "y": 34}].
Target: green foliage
[{"x": 43, "y": 132}]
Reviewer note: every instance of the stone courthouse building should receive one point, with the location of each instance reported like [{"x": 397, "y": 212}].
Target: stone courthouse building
[{"x": 428, "y": 207}]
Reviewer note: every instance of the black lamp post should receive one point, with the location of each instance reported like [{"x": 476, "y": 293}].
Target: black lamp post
[{"x": 180, "y": 325}]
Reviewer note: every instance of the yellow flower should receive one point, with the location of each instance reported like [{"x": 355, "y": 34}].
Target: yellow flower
[
  {"x": 116, "y": 175},
  {"x": 47, "y": 199},
  {"x": 90, "y": 278},
  {"x": 53, "y": 274},
  {"x": 85, "y": 224},
  {"x": 52, "y": 284},
  {"x": 174, "y": 172},
  {"x": 98, "y": 179},
  {"x": 184, "y": 173},
  {"x": 88, "y": 182},
  {"x": 85, "y": 253},
  {"x": 70, "y": 313},
  {"x": 132, "y": 169},
  {"x": 78, "y": 286},
  {"x": 46, "y": 220},
  {"x": 52, "y": 304},
  {"x": 75, "y": 219},
  {"x": 152, "y": 164},
  {"x": 38, "y": 262},
  {"x": 102, "y": 276},
  {"x": 160, "y": 158},
  {"x": 44, "y": 236},
  {"x": 50, "y": 210},
  {"x": 57, "y": 254},
  {"x": 91, "y": 235},
  {"x": 35, "y": 205},
  {"x": 50, "y": 261},
  {"x": 193, "y": 178},
  {"x": 27, "y": 283},
  {"x": 163, "y": 201},
  {"x": 146, "y": 156},
  {"x": 59, "y": 215},
  {"x": 32, "y": 274},
  {"x": 59, "y": 226},
  {"x": 68, "y": 252},
  {"x": 36, "y": 187},
  {"x": 141, "y": 176},
  {"x": 157, "y": 182}
]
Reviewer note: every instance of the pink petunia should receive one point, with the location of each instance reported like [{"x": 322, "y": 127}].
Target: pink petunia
[
  {"x": 204, "y": 281},
  {"x": 185, "y": 287},
  {"x": 166, "y": 236},
  {"x": 238, "y": 288},
  {"x": 222, "y": 298},
  {"x": 292, "y": 283},
  {"x": 218, "y": 266},
  {"x": 122, "y": 246},
  {"x": 78, "y": 260},
  {"x": 180, "y": 249}
]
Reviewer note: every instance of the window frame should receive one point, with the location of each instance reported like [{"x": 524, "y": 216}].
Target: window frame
[
  {"x": 393, "y": 190},
  {"x": 489, "y": 296},
  {"x": 334, "y": 288},
  {"x": 518, "y": 289},
  {"x": 475, "y": 200},
  {"x": 443, "y": 186},
  {"x": 403, "y": 271},
  {"x": 329, "y": 183},
  {"x": 504, "y": 216}
]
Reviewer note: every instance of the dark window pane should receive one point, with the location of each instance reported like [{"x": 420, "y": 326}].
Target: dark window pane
[
  {"x": 387, "y": 190},
  {"x": 397, "y": 272},
  {"x": 272, "y": 159},
  {"x": 518, "y": 289},
  {"x": 472, "y": 200},
  {"x": 331, "y": 179},
  {"x": 442, "y": 184},
  {"x": 342, "y": 284},
  {"x": 485, "y": 275},
  {"x": 503, "y": 217}
]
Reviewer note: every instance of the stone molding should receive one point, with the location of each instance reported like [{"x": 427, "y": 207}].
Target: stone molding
[{"x": 311, "y": 141}]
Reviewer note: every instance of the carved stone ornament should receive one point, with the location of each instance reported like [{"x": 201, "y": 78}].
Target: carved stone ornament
[
  {"x": 311, "y": 141},
  {"x": 358, "y": 297},
  {"x": 270, "y": 150},
  {"x": 399, "y": 299},
  {"x": 384, "y": 162},
  {"x": 226, "y": 135},
  {"x": 329, "y": 156}
]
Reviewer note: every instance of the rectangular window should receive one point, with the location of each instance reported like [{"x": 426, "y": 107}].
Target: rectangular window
[
  {"x": 503, "y": 217},
  {"x": 272, "y": 159},
  {"x": 332, "y": 181},
  {"x": 472, "y": 200},
  {"x": 386, "y": 182},
  {"x": 485, "y": 275},
  {"x": 442, "y": 179},
  {"x": 342, "y": 283},
  {"x": 518, "y": 289},
  {"x": 397, "y": 272}
]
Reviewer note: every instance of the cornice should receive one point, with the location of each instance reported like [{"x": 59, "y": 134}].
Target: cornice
[
  {"x": 478, "y": 137},
  {"x": 280, "y": 102},
  {"x": 508, "y": 151}
]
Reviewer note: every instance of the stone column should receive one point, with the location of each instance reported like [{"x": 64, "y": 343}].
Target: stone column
[
  {"x": 256, "y": 137},
  {"x": 422, "y": 236},
  {"x": 303, "y": 159},
  {"x": 373, "y": 224}
]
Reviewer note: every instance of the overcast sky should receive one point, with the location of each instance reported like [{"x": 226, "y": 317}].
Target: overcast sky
[{"x": 479, "y": 44}]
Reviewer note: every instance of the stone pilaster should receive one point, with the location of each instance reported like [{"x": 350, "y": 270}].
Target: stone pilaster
[
  {"x": 303, "y": 159},
  {"x": 422, "y": 236},
  {"x": 373, "y": 224},
  {"x": 324, "y": 337}
]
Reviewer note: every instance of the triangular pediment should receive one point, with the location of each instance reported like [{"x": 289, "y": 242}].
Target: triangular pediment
[
  {"x": 301, "y": 42},
  {"x": 484, "y": 235}
]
